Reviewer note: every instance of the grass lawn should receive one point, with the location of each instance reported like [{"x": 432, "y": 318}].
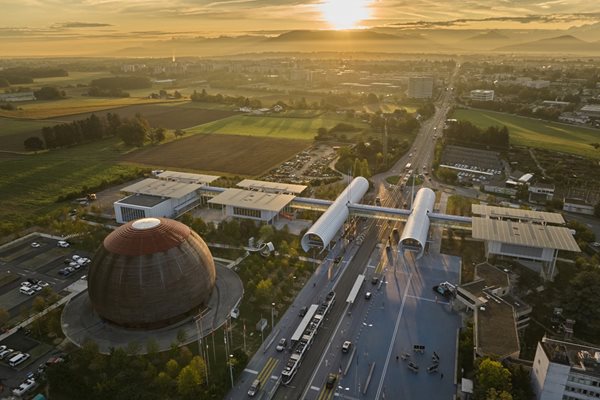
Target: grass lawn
[
  {"x": 392, "y": 180},
  {"x": 74, "y": 78},
  {"x": 70, "y": 106},
  {"x": 9, "y": 127},
  {"x": 274, "y": 126},
  {"x": 33, "y": 183},
  {"x": 536, "y": 133}
]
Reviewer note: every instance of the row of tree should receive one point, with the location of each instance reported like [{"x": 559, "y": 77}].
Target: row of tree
[
  {"x": 239, "y": 101},
  {"x": 20, "y": 75},
  {"x": 464, "y": 133}
]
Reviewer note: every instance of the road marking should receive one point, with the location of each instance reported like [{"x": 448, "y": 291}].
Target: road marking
[
  {"x": 267, "y": 369},
  {"x": 315, "y": 388},
  {"x": 393, "y": 341},
  {"x": 253, "y": 372},
  {"x": 430, "y": 300}
]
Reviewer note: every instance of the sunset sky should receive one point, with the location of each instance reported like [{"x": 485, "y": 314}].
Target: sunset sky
[{"x": 33, "y": 23}]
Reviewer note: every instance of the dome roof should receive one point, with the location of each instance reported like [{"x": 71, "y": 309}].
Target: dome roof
[{"x": 150, "y": 273}]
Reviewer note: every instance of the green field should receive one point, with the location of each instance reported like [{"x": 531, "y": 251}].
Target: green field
[
  {"x": 31, "y": 184},
  {"x": 274, "y": 126},
  {"x": 9, "y": 127},
  {"x": 537, "y": 133},
  {"x": 74, "y": 78}
]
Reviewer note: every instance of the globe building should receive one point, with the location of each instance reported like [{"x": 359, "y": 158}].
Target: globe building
[{"x": 151, "y": 273}]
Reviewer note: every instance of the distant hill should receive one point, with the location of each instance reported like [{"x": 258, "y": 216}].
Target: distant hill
[
  {"x": 565, "y": 43},
  {"x": 305, "y": 35},
  {"x": 487, "y": 37}
]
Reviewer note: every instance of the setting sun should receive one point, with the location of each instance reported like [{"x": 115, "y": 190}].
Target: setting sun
[{"x": 345, "y": 14}]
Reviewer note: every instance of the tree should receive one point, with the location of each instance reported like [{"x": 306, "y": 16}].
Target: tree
[
  {"x": 39, "y": 304},
  {"x": 263, "y": 289},
  {"x": 491, "y": 374},
  {"x": 188, "y": 381},
  {"x": 493, "y": 394},
  {"x": 33, "y": 143},
  {"x": 49, "y": 93},
  {"x": 152, "y": 347},
  {"x": 172, "y": 368},
  {"x": 581, "y": 302},
  {"x": 158, "y": 135},
  {"x": 132, "y": 133},
  {"x": 181, "y": 335},
  {"x": 266, "y": 233}
]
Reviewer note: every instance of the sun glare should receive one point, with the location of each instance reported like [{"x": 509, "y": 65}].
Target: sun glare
[{"x": 345, "y": 14}]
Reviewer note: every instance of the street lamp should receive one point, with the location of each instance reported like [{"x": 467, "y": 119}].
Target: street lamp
[
  {"x": 272, "y": 315},
  {"x": 231, "y": 369}
]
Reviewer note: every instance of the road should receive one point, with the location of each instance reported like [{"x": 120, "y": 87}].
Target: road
[{"x": 267, "y": 364}]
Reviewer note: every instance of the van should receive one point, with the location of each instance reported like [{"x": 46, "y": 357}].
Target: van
[
  {"x": 254, "y": 388},
  {"x": 18, "y": 359}
]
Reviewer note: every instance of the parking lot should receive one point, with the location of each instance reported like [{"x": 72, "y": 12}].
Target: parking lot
[
  {"x": 29, "y": 267},
  {"x": 306, "y": 166},
  {"x": 472, "y": 165}
]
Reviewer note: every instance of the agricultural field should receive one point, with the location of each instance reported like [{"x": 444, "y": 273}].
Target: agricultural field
[
  {"x": 69, "y": 106},
  {"x": 74, "y": 78},
  {"x": 537, "y": 133},
  {"x": 275, "y": 126},
  {"x": 230, "y": 154},
  {"x": 33, "y": 183},
  {"x": 170, "y": 116},
  {"x": 386, "y": 108}
]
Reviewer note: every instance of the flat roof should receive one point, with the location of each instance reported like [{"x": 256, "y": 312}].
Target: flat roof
[
  {"x": 252, "y": 199},
  {"x": 524, "y": 234},
  {"x": 271, "y": 186},
  {"x": 505, "y": 212},
  {"x": 580, "y": 357},
  {"x": 186, "y": 177},
  {"x": 497, "y": 317},
  {"x": 142, "y": 200},
  {"x": 162, "y": 188}
]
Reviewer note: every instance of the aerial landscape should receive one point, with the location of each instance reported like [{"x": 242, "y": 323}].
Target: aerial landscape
[{"x": 299, "y": 200}]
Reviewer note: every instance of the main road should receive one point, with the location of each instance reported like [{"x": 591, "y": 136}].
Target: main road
[{"x": 267, "y": 364}]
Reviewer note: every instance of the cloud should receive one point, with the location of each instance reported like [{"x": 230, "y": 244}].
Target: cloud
[{"x": 80, "y": 25}]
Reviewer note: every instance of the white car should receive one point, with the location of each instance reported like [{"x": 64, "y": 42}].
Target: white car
[
  {"x": 63, "y": 243},
  {"x": 75, "y": 257},
  {"x": 281, "y": 345},
  {"x": 5, "y": 353},
  {"x": 26, "y": 290},
  {"x": 26, "y": 284},
  {"x": 36, "y": 288},
  {"x": 35, "y": 244},
  {"x": 43, "y": 284},
  {"x": 24, "y": 387}
]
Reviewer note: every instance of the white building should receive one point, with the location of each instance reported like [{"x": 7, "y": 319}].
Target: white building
[
  {"x": 251, "y": 204},
  {"x": 17, "y": 96},
  {"x": 523, "y": 235},
  {"x": 565, "y": 371},
  {"x": 482, "y": 95},
  {"x": 579, "y": 206},
  {"x": 540, "y": 192},
  {"x": 170, "y": 196},
  {"x": 420, "y": 87}
]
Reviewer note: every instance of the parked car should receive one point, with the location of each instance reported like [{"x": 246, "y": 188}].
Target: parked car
[
  {"x": 26, "y": 284},
  {"x": 2, "y": 348},
  {"x": 36, "y": 288},
  {"x": 18, "y": 359},
  {"x": 24, "y": 387},
  {"x": 63, "y": 243},
  {"x": 35, "y": 245},
  {"x": 281, "y": 345},
  {"x": 43, "y": 284},
  {"x": 75, "y": 257},
  {"x": 5, "y": 353},
  {"x": 27, "y": 290}
]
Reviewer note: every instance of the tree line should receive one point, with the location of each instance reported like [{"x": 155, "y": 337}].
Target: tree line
[
  {"x": 21, "y": 75},
  {"x": 464, "y": 133},
  {"x": 239, "y": 101}
]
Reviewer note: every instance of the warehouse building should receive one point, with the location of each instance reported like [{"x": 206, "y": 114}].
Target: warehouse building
[{"x": 482, "y": 95}]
